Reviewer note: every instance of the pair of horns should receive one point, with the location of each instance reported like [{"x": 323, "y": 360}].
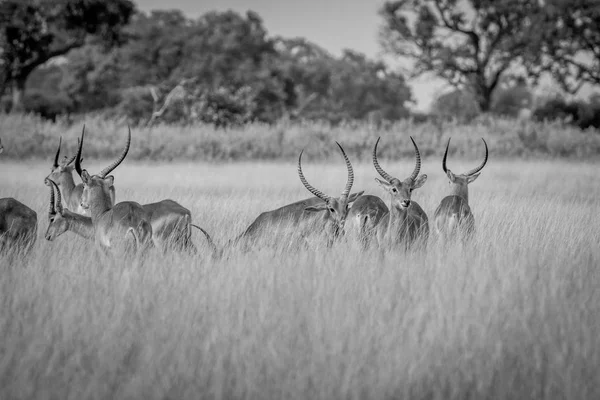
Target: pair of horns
[
  {"x": 317, "y": 192},
  {"x": 474, "y": 170},
  {"x": 55, "y": 206},
  {"x": 389, "y": 177},
  {"x": 112, "y": 166},
  {"x": 56, "y": 157}
]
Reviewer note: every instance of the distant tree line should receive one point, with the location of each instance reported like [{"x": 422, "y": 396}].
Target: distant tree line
[{"x": 95, "y": 56}]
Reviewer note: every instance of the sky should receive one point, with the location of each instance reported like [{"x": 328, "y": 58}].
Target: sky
[{"x": 332, "y": 24}]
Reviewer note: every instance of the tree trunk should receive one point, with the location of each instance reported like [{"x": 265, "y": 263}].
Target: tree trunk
[
  {"x": 18, "y": 88},
  {"x": 484, "y": 99}
]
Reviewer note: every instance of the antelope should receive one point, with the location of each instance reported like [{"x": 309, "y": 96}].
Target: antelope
[
  {"x": 62, "y": 174},
  {"x": 169, "y": 221},
  {"x": 111, "y": 223},
  {"x": 333, "y": 221},
  {"x": 18, "y": 223},
  {"x": 453, "y": 216},
  {"x": 406, "y": 222},
  {"x": 302, "y": 214}
]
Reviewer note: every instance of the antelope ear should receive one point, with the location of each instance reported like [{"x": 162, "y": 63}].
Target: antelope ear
[
  {"x": 471, "y": 178},
  {"x": 317, "y": 208},
  {"x": 85, "y": 176},
  {"x": 385, "y": 185},
  {"x": 109, "y": 180},
  {"x": 420, "y": 181},
  {"x": 451, "y": 176},
  {"x": 354, "y": 196}
]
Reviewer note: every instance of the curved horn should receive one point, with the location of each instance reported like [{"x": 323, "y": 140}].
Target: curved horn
[
  {"x": 445, "y": 157},
  {"x": 51, "y": 209},
  {"x": 119, "y": 160},
  {"x": 307, "y": 185},
  {"x": 78, "y": 155},
  {"x": 476, "y": 170},
  {"x": 58, "y": 205},
  {"x": 380, "y": 170},
  {"x": 70, "y": 160},
  {"x": 350, "y": 180},
  {"x": 55, "y": 165},
  {"x": 418, "y": 162}
]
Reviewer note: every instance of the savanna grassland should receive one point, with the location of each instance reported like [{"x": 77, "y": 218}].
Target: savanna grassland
[{"x": 514, "y": 314}]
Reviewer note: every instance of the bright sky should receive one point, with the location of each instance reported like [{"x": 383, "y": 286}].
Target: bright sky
[{"x": 332, "y": 24}]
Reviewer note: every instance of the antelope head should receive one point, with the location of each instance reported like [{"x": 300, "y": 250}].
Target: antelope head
[
  {"x": 57, "y": 224},
  {"x": 459, "y": 182},
  {"x": 336, "y": 207},
  {"x": 96, "y": 188},
  {"x": 64, "y": 166},
  {"x": 400, "y": 191}
]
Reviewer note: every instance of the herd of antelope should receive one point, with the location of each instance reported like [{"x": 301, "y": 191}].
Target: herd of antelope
[{"x": 88, "y": 209}]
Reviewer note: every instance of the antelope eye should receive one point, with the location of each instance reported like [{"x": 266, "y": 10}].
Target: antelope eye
[
  {"x": 331, "y": 209},
  {"x": 394, "y": 190}
]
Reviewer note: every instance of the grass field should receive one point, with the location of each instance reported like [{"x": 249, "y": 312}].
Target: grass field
[{"x": 515, "y": 314}]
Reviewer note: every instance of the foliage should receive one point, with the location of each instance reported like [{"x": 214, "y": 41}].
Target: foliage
[
  {"x": 33, "y": 32},
  {"x": 457, "y": 104},
  {"x": 569, "y": 37},
  {"x": 470, "y": 44},
  {"x": 510, "y": 97},
  {"x": 226, "y": 71},
  {"x": 577, "y": 112},
  {"x": 31, "y": 137}
]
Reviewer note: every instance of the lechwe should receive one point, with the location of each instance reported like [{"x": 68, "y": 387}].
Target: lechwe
[
  {"x": 170, "y": 223},
  {"x": 453, "y": 217},
  {"x": 62, "y": 174},
  {"x": 321, "y": 213},
  {"x": 336, "y": 208},
  {"x": 18, "y": 224},
  {"x": 406, "y": 223},
  {"x": 112, "y": 224}
]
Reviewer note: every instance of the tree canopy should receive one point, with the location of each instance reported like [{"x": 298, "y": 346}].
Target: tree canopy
[
  {"x": 33, "y": 32},
  {"x": 467, "y": 43}
]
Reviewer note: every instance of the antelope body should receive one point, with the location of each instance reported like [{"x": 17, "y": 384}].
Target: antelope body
[
  {"x": 364, "y": 216},
  {"x": 18, "y": 223},
  {"x": 453, "y": 217}
]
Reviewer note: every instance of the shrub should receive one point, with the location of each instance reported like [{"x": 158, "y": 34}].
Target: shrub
[{"x": 45, "y": 105}]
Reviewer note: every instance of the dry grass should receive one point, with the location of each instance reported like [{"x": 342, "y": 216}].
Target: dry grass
[
  {"x": 514, "y": 315},
  {"x": 28, "y": 137}
]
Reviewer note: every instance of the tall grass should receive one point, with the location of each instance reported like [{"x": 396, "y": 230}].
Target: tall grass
[
  {"x": 515, "y": 314},
  {"x": 28, "y": 137}
]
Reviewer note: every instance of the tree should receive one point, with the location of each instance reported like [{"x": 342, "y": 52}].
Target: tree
[
  {"x": 35, "y": 31},
  {"x": 570, "y": 38},
  {"x": 468, "y": 43}
]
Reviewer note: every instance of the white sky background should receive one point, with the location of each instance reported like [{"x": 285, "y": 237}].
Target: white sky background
[{"x": 332, "y": 24}]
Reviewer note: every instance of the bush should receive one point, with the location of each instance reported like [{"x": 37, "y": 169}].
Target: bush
[
  {"x": 578, "y": 113},
  {"x": 45, "y": 105}
]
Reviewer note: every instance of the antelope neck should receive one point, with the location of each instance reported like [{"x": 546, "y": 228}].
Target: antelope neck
[
  {"x": 99, "y": 206},
  {"x": 66, "y": 183},
  {"x": 460, "y": 190},
  {"x": 80, "y": 224}
]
